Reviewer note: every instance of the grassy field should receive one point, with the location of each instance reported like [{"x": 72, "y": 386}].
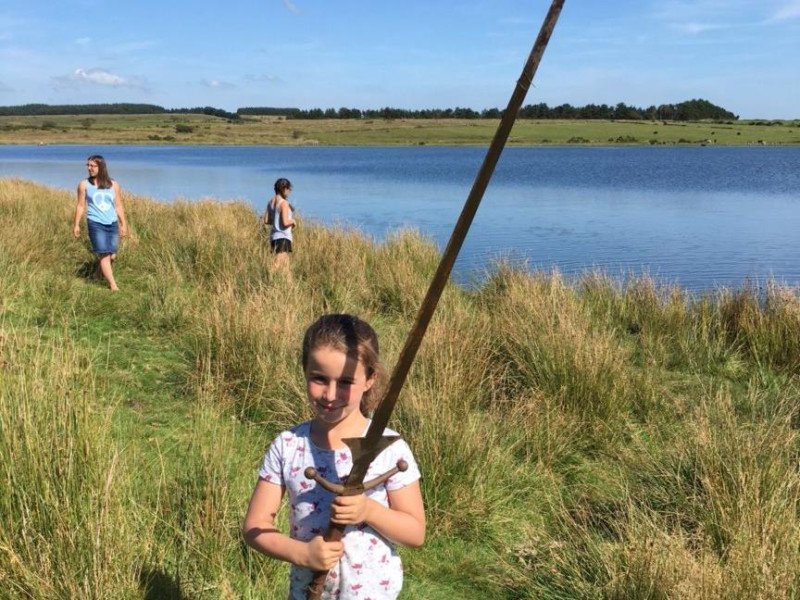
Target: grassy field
[
  {"x": 577, "y": 441},
  {"x": 201, "y": 129}
]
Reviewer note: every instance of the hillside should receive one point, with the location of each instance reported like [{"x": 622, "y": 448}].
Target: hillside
[
  {"x": 576, "y": 441},
  {"x": 265, "y": 130}
]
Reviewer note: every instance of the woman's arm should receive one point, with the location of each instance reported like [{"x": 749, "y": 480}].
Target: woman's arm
[
  {"x": 403, "y": 521},
  {"x": 120, "y": 206},
  {"x": 80, "y": 207},
  {"x": 259, "y": 531},
  {"x": 267, "y": 218},
  {"x": 285, "y": 220}
]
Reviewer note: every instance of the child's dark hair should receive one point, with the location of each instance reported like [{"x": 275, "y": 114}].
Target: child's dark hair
[
  {"x": 354, "y": 337},
  {"x": 282, "y": 185},
  {"x": 102, "y": 180}
]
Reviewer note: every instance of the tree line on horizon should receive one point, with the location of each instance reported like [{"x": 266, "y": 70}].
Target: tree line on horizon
[
  {"x": 690, "y": 110},
  {"x": 119, "y": 108}
]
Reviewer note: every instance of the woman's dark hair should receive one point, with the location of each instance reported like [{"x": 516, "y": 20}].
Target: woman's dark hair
[
  {"x": 282, "y": 185},
  {"x": 354, "y": 337},
  {"x": 102, "y": 180}
]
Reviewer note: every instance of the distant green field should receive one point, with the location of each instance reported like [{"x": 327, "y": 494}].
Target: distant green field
[{"x": 203, "y": 129}]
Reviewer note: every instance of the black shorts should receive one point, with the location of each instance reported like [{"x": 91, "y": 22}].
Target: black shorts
[{"x": 280, "y": 245}]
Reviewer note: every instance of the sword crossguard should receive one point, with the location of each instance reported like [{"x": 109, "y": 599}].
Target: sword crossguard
[{"x": 340, "y": 490}]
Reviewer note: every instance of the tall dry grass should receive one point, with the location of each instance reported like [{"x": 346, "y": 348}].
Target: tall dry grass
[
  {"x": 587, "y": 440},
  {"x": 62, "y": 486}
]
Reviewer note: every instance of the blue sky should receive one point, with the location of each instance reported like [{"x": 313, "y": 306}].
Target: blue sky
[{"x": 741, "y": 54}]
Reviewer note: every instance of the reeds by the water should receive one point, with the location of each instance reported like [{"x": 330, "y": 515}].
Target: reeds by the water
[{"x": 588, "y": 440}]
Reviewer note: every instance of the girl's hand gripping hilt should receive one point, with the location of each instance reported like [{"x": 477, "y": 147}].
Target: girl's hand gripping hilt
[
  {"x": 340, "y": 490},
  {"x": 364, "y": 450}
]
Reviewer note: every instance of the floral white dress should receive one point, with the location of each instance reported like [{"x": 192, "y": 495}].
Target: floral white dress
[{"x": 370, "y": 568}]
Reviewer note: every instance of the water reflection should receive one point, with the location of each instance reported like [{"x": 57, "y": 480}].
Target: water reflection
[{"x": 700, "y": 217}]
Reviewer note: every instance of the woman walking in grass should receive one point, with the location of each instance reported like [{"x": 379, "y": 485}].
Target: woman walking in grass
[
  {"x": 279, "y": 215},
  {"x": 341, "y": 366},
  {"x": 100, "y": 198}
]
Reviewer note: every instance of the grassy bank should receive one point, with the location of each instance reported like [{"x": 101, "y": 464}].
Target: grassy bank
[
  {"x": 577, "y": 441},
  {"x": 202, "y": 129}
]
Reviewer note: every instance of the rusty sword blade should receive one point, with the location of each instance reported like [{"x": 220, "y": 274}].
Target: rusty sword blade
[
  {"x": 366, "y": 449},
  {"x": 369, "y": 447}
]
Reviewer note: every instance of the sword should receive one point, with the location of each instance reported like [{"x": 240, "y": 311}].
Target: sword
[{"x": 366, "y": 449}]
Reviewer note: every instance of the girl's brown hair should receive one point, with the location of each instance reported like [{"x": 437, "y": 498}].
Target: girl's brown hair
[
  {"x": 281, "y": 185},
  {"x": 354, "y": 337},
  {"x": 102, "y": 180}
]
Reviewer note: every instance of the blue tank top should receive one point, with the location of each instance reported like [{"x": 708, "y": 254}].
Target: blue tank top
[
  {"x": 277, "y": 232},
  {"x": 100, "y": 204}
]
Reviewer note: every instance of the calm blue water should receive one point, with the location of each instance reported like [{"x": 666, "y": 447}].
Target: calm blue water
[{"x": 701, "y": 217}]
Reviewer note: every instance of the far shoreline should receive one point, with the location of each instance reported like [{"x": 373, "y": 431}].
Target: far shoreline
[{"x": 205, "y": 130}]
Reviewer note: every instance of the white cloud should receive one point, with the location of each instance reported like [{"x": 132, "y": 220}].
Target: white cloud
[
  {"x": 262, "y": 78},
  {"x": 789, "y": 11},
  {"x": 672, "y": 10},
  {"x": 698, "y": 16},
  {"x": 694, "y": 28},
  {"x": 99, "y": 77},
  {"x": 218, "y": 85},
  {"x": 291, "y": 7}
]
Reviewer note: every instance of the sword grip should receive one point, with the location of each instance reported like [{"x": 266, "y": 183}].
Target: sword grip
[{"x": 335, "y": 531}]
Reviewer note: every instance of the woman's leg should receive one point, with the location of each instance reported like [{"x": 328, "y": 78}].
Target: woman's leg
[
  {"x": 104, "y": 239},
  {"x": 280, "y": 253},
  {"x": 282, "y": 260},
  {"x": 105, "y": 267}
]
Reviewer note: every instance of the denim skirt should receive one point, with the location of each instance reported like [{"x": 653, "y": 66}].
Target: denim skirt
[{"x": 104, "y": 238}]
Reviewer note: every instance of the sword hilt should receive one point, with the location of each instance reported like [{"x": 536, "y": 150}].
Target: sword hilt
[
  {"x": 341, "y": 490},
  {"x": 335, "y": 531}
]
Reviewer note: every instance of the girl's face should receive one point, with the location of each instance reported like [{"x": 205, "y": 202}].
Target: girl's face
[
  {"x": 285, "y": 193},
  {"x": 92, "y": 168},
  {"x": 335, "y": 383}
]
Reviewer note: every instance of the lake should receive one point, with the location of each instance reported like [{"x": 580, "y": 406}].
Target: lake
[{"x": 700, "y": 217}]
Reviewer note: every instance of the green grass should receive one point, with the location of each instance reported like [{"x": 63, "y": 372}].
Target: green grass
[
  {"x": 203, "y": 129},
  {"x": 583, "y": 440}
]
